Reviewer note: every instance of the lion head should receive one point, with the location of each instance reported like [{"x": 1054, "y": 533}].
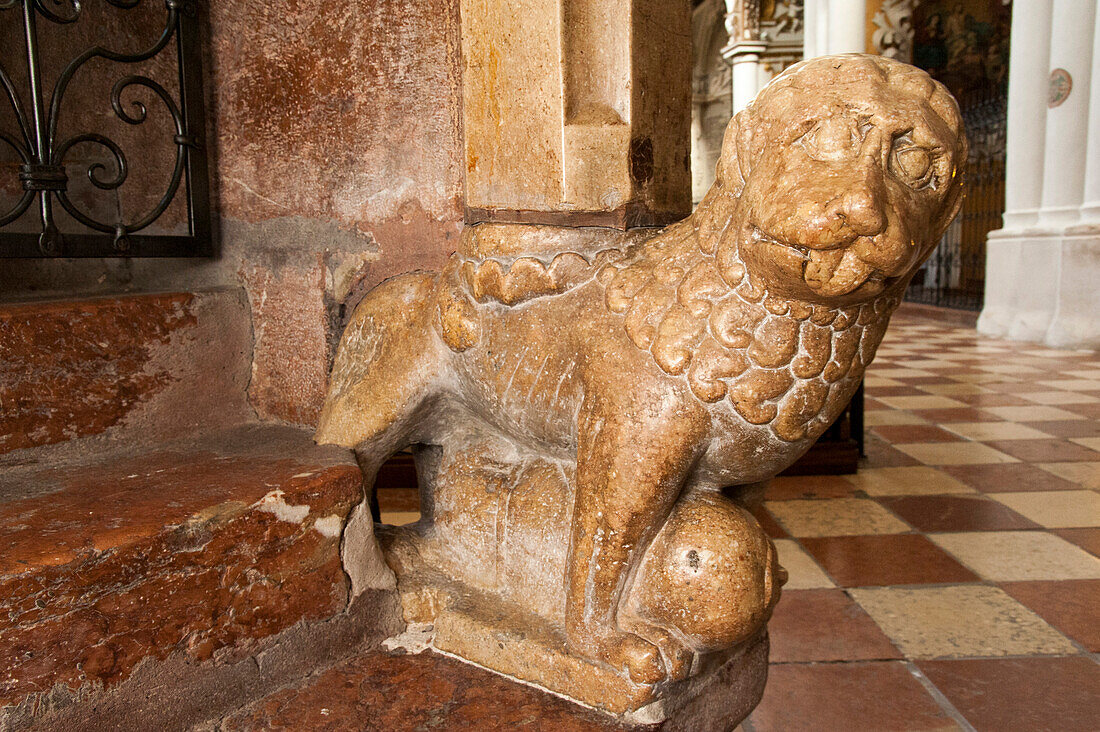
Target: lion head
[
  {"x": 832, "y": 187},
  {"x": 839, "y": 179}
]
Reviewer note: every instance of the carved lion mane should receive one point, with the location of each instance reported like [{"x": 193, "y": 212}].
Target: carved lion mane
[{"x": 832, "y": 198}]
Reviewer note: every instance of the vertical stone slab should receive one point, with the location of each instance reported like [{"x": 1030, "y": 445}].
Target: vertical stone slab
[
  {"x": 576, "y": 107},
  {"x": 512, "y": 103},
  {"x": 661, "y": 92},
  {"x": 597, "y": 75}
]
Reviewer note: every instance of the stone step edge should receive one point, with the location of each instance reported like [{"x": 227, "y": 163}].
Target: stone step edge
[{"x": 176, "y": 693}]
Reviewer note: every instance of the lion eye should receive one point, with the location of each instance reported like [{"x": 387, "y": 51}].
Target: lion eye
[{"x": 911, "y": 163}]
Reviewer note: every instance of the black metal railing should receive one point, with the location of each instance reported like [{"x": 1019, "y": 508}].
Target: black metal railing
[
  {"x": 954, "y": 276},
  {"x": 57, "y": 215}
]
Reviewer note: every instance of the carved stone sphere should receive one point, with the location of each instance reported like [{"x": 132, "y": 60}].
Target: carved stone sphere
[{"x": 710, "y": 577}]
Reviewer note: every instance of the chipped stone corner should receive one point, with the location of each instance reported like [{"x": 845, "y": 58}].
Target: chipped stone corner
[
  {"x": 416, "y": 638},
  {"x": 362, "y": 556},
  {"x": 274, "y": 503}
]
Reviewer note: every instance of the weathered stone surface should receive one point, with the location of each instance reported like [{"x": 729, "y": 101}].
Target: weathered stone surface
[
  {"x": 201, "y": 547},
  {"x": 79, "y": 368},
  {"x": 298, "y": 138},
  {"x": 572, "y": 447},
  {"x": 152, "y": 547},
  {"x": 178, "y": 693},
  {"x": 505, "y": 636},
  {"x": 288, "y": 307},
  {"x": 337, "y": 161},
  {"x": 344, "y": 116}
]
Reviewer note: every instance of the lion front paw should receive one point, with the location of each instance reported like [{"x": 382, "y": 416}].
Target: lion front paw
[
  {"x": 630, "y": 655},
  {"x": 638, "y": 658},
  {"x": 677, "y": 657}
]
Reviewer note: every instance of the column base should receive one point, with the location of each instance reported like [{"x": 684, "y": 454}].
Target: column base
[
  {"x": 1020, "y": 284},
  {"x": 1090, "y": 214},
  {"x": 1076, "y": 321},
  {"x": 1040, "y": 286}
]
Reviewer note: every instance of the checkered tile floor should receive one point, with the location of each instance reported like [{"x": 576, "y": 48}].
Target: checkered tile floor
[{"x": 954, "y": 582}]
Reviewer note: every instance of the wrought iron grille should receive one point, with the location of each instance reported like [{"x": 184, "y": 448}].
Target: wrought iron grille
[
  {"x": 49, "y": 217},
  {"x": 954, "y": 276}
]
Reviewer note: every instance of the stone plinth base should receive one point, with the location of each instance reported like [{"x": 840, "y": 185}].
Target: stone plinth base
[
  {"x": 1040, "y": 286},
  {"x": 479, "y": 627}
]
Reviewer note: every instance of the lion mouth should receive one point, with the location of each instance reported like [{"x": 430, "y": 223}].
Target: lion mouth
[{"x": 829, "y": 272}]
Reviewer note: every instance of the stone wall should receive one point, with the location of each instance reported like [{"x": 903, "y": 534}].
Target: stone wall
[{"x": 337, "y": 162}]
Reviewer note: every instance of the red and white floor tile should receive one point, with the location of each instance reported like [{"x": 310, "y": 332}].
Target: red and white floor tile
[{"x": 954, "y": 582}]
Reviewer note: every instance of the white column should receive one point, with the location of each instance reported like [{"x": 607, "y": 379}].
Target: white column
[
  {"x": 1076, "y": 320},
  {"x": 809, "y": 28},
  {"x": 821, "y": 31},
  {"x": 1090, "y": 208},
  {"x": 1007, "y": 270},
  {"x": 746, "y": 74},
  {"x": 1067, "y": 124},
  {"x": 1028, "y": 82},
  {"x": 847, "y": 24}
]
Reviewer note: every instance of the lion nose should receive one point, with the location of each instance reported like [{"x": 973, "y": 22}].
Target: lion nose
[{"x": 858, "y": 210}]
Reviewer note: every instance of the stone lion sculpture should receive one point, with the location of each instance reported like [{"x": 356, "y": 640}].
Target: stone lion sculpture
[{"x": 579, "y": 401}]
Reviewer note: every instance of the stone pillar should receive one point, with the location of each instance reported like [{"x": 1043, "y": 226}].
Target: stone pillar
[
  {"x": 711, "y": 93},
  {"x": 1076, "y": 318},
  {"x": 1067, "y": 123},
  {"x": 1028, "y": 83},
  {"x": 573, "y": 114},
  {"x": 847, "y": 26},
  {"x": 746, "y": 74},
  {"x": 1042, "y": 267},
  {"x": 834, "y": 26},
  {"x": 821, "y": 28},
  {"x": 1090, "y": 209},
  {"x": 811, "y": 17},
  {"x": 744, "y": 49}
]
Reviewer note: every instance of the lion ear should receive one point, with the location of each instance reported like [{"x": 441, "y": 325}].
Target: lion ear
[
  {"x": 716, "y": 209},
  {"x": 954, "y": 203},
  {"x": 734, "y": 161}
]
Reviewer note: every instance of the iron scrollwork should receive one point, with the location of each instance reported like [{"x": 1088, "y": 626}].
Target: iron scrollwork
[{"x": 42, "y": 155}]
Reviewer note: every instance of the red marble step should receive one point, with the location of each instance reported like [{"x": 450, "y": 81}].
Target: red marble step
[
  {"x": 134, "y": 366},
  {"x": 196, "y": 549}
]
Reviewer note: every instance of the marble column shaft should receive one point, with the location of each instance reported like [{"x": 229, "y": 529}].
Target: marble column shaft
[
  {"x": 1042, "y": 266},
  {"x": 1090, "y": 208},
  {"x": 834, "y": 26},
  {"x": 1068, "y": 123}
]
